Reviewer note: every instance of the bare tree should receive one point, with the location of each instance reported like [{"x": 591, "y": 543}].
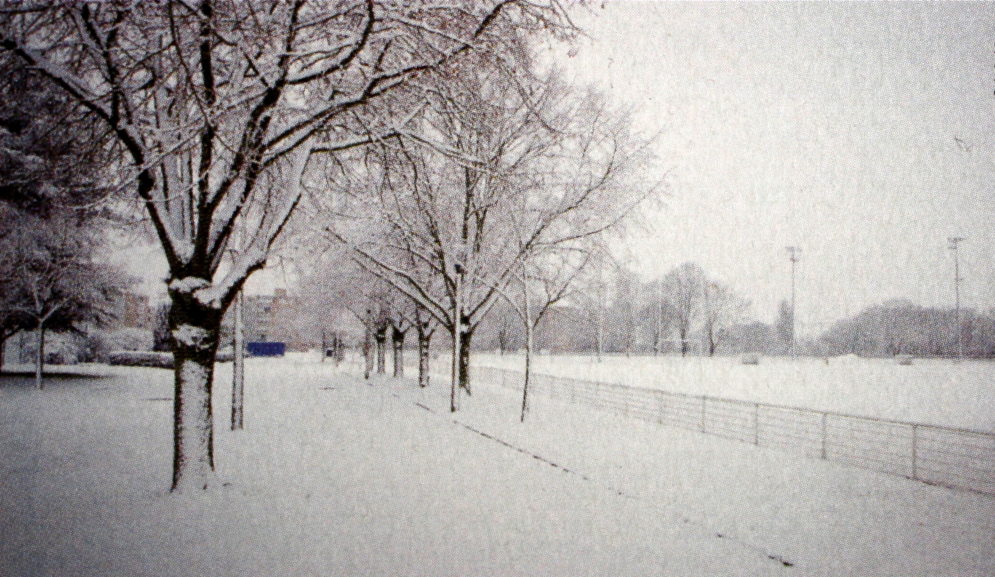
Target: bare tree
[
  {"x": 623, "y": 309},
  {"x": 721, "y": 309},
  {"x": 425, "y": 328},
  {"x": 785, "y": 324},
  {"x": 217, "y": 108},
  {"x": 658, "y": 313},
  {"x": 380, "y": 317},
  {"x": 545, "y": 280},
  {"x": 402, "y": 318},
  {"x": 591, "y": 301},
  {"x": 502, "y": 168},
  {"x": 685, "y": 288}
]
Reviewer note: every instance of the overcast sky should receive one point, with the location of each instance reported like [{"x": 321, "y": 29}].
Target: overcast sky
[{"x": 863, "y": 133}]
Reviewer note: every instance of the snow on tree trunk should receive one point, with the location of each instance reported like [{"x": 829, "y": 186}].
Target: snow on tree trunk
[
  {"x": 40, "y": 356},
  {"x": 194, "y": 331},
  {"x": 238, "y": 367},
  {"x": 454, "y": 373},
  {"x": 424, "y": 340}
]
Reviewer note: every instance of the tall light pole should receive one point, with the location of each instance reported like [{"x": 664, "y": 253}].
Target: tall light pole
[
  {"x": 954, "y": 241},
  {"x": 793, "y": 252}
]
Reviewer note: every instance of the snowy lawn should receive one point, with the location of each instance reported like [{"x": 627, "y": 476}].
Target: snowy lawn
[
  {"x": 333, "y": 476},
  {"x": 930, "y": 391}
]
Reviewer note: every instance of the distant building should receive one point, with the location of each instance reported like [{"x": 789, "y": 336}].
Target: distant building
[
  {"x": 275, "y": 318},
  {"x": 133, "y": 310}
]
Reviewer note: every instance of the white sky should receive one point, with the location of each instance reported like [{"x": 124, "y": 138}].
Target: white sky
[{"x": 827, "y": 126}]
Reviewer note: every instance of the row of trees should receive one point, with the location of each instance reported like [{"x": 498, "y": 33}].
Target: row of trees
[
  {"x": 899, "y": 327},
  {"x": 504, "y": 186},
  {"x": 221, "y": 117},
  {"x": 608, "y": 309}
]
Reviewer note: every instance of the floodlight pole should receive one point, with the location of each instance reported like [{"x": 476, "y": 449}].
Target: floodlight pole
[
  {"x": 793, "y": 252},
  {"x": 954, "y": 242}
]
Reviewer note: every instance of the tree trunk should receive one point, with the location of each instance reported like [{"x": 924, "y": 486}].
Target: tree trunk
[
  {"x": 598, "y": 344},
  {"x": 339, "y": 349},
  {"x": 194, "y": 333},
  {"x": 658, "y": 325},
  {"x": 238, "y": 367},
  {"x": 381, "y": 340},
  {"x": 464, "y": 360},
  {"x": 454, "y": 372},
  {"x": 397, "y": 339},
  {"x": 424, "y": 340},
  {"x": 3, "y": 348},
  {"x": 368, "y": 348},
  {"x": 528, "y": 353},
  {"x": 599, "y": 334},
  {"x": 40, "y": 356}
]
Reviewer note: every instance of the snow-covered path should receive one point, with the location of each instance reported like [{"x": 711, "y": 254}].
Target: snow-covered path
[{"x": 333, "y": 476}]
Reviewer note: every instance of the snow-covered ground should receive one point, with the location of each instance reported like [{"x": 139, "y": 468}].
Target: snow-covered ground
[
  {"x": 930, "y": 391},
  {"x": 333, "y": 476}
]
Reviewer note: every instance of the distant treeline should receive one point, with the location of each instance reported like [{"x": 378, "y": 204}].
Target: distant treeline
[{"x": 640, "y": 318}]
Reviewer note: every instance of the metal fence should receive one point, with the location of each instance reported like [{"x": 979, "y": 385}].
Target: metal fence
[{"x": 949, "y": 457}]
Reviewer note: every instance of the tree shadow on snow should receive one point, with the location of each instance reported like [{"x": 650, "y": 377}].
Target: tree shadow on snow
[{"x": 60, "y": 379}]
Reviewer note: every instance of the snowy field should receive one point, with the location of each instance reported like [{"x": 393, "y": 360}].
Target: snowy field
[
  {"x": 930, "y": 391},
  {"x": 333, "y": 476}
]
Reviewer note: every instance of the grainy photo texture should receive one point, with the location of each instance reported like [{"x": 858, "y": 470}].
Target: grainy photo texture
[{"x": 496, "y": 287}]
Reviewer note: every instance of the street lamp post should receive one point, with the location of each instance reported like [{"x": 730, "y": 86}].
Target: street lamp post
[
  {"x": 954, "y": 242},
  {"x": 793, "y": 252}
]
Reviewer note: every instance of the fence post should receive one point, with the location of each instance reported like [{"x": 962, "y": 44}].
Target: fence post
[
  {"x": 825, "y": 417},
  {"x": 756, "y": 424},
  {"x": 915, "y": 450}
]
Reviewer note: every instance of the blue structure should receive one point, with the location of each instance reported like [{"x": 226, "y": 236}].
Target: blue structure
[{"x": 266, "y": 349}]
